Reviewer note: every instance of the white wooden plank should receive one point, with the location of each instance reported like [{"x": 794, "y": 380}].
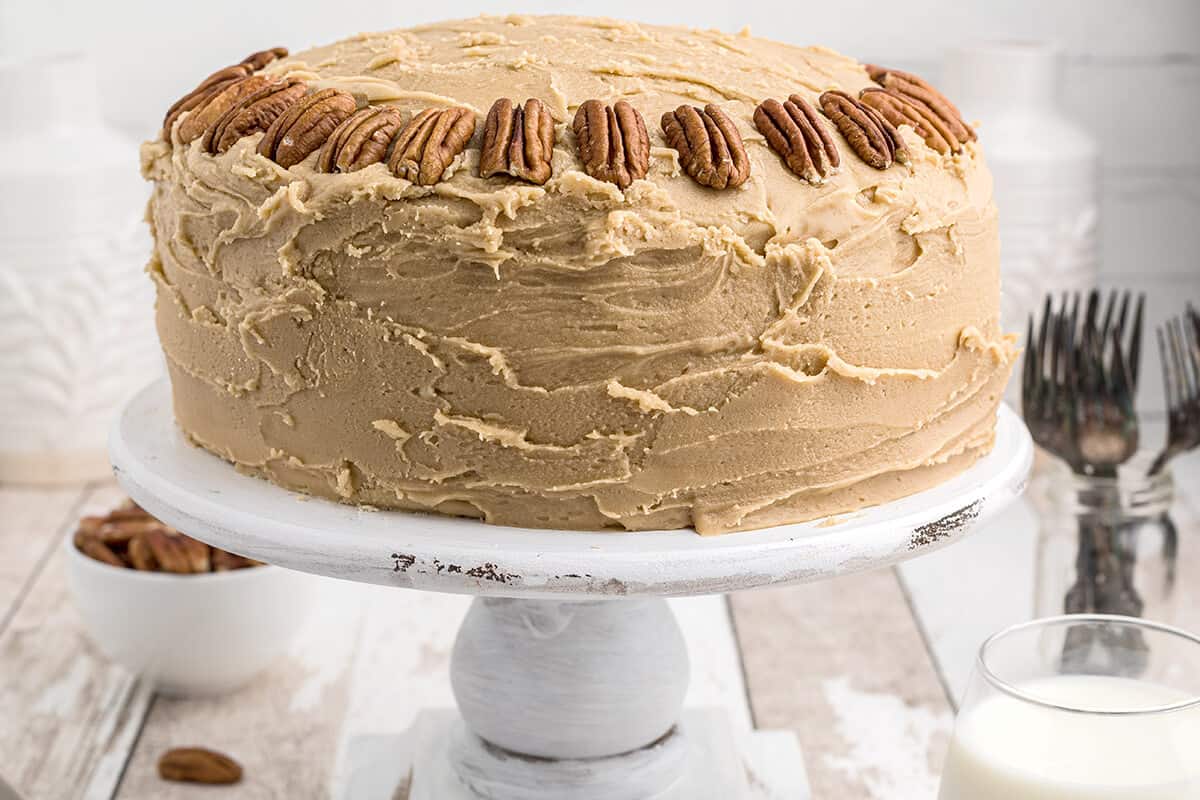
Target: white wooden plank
[
  {"x": 401, "y": 667},
  {"x": 282, "y": 728},
  {"x": 31, "y": 521},
  {"x": 717, "y": 680},
  {"x": 78, "y": 713},
  {"x": 843, "y": 664}
]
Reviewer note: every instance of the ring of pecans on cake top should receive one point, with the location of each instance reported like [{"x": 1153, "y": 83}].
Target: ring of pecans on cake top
[
  {"x": 128, "y": 536},
  {"x": 518, "y": 140}
]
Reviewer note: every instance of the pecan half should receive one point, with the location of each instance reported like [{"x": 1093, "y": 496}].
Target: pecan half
[
  {"x": 252, "y": 114},
  {"x": 93, "y": 547},
  {"x": 517, "y": 141},
  {"x": 198, "y": 765},
  {"x": 140, "y": 555},
  {"x": 173, "y": 552},
  {"x": 613, "y": 143},
  {"x": 160, "y": 549},
  {"x": 875, "y": 140},
  {"x": 304, "y": 127},
  {"x": 709, "y": 145},
  {"x": 257, "y": 61},
  {"x": 202, "y": 93},
  {"x": 429, "y": 143},
  {"x": 118, "y": 532},
  {"x": 918, "y": 90},
  {"x": 202, "y": 117},
  {"x": 360, "y": 141},
  {"x": 796, "y": 133},
  {"x": 900, "y": 110},
  {"x": 223, "y": 561}
]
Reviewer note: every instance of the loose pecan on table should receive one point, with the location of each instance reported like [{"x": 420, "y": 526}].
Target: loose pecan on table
[
  {"x": 429, "y": 143},
  {"x": 517, "y": 141},
  {"x": 298, "y": 132},
  {"x": 361, "y": 140},
  {"x": 709, "y": 145},
  {"x": 795, "y": 131},
  {"x": 257, "y": 61},
  {"x": 252, "y": 114},
  {"x": 919, "y": 91},
  {"x": 613, "y": 143},
  {"x": 875, "y": 140},
  {"x": 198, "y": 765}
]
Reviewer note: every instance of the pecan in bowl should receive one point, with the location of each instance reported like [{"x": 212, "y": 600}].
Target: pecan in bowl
[{"x": 190, "y": 618}]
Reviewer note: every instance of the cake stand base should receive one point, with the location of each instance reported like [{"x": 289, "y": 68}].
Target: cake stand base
[
  {"x": 569, "y": 670},
  {"x": 762, "y": 765}
]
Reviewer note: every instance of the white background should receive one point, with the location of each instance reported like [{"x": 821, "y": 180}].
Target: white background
[{"x": 1132, "y": 75}]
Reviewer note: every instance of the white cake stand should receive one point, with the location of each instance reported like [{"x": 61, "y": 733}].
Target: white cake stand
[{"x": 569, "y": 669}]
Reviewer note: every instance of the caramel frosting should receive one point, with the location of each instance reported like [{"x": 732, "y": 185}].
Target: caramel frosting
[{"x": 572, "y": 355}]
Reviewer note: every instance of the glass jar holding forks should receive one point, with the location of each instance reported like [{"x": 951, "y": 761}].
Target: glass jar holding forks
[
  {"x": 1111, "y": 545},
  {"x": 1109, "y": 540}
]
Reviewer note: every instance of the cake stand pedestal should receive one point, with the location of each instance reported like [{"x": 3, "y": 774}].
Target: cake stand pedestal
[{"x": 569, "y": 669}]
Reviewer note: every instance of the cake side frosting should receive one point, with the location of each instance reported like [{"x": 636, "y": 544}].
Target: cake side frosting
[{"x": 570, "y": 354}]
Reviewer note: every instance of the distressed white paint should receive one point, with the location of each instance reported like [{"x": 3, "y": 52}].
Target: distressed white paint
[
  {"x": 564, "y": 680},
  {"x": 890, "y": 741},
  {"x": 488, "y": 772},
  {"x": 68, "y": 718},
  {"x": 402, "y": 666},
  {"x": 716, "y": 680},
  {"x": 322, "y": 645}
]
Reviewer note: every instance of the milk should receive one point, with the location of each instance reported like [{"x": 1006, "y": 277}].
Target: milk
[{"x": 1010, "y": 749}]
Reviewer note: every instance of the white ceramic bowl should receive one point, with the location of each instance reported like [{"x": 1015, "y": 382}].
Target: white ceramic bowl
[{"x": 191, "y": 634}]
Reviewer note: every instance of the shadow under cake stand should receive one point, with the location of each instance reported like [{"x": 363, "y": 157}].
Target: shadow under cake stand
[{"x": 569, "y": 670}]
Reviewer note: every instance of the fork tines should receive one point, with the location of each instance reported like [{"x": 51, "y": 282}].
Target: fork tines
[
  {"x": 1179, "y": 348},
  {"x": 1080, "y": 378}
]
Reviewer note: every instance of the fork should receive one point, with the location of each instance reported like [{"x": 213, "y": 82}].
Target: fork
[
  {"x": 1080, "y": 378},
  {"x": 1106, "y": 428},
  {"x": 1179, "y": 347}
]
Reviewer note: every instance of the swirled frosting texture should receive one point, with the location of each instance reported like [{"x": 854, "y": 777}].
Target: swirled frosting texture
[{"x": 571, "y": 355}]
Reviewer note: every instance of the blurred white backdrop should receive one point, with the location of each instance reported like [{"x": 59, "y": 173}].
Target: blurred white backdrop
[{"x": 1132, "y": 75}]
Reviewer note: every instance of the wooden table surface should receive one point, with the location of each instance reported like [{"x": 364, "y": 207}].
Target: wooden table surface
[{"x": 864, "y": 669}]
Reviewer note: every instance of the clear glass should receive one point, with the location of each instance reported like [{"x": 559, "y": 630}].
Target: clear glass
[
  {"x": 1111, "y": 545},
  {"x": 1080, "y": 707}
]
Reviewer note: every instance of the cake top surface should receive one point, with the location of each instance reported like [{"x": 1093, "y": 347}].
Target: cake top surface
[{"x": 565, "y": 61}]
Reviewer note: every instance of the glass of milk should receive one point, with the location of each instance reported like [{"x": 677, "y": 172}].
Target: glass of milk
[{"x": 1080, "y": 707}]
